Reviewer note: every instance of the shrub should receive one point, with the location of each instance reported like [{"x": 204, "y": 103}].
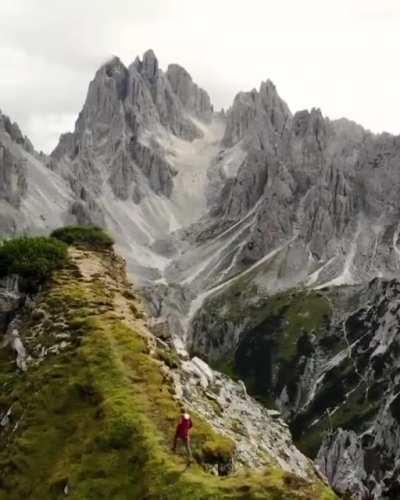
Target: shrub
[
  {"x": 87, "y": 236},
  {"x": 32, "y": 259}
]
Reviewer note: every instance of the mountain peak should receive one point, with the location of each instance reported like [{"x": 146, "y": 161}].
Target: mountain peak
[
  {"x": 257, "y": 115},
  {"x": 267, "y": 86},
  {"x": 150, "y": 64},
  {"x": 177, "y": 69},
  {"x": 14, "y": 132},
  {"x": 114, "y": 63},
  {"x": 194, "y": 99}
]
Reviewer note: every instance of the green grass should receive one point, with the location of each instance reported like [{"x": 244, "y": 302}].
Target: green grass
[
  {"x": 91, "y": 237},
  {"x": 279, "y": 338},
  {"x": 32, "y": 259},
  {"x": 100, "y": 417},
  {"x": 302, "y": 312},
  {"x": 226, "y": 366}
]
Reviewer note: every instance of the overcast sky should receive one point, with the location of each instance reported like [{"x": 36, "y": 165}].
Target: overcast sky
[{"x": 339, "y": 55}]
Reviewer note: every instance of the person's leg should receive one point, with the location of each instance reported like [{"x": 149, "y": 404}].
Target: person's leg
[
  {"x": 175, "y": 442},
  {"x": 188, "y": 448}
]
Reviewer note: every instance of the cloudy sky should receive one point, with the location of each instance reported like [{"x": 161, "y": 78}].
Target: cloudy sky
[{"x": 341, "y": 56}]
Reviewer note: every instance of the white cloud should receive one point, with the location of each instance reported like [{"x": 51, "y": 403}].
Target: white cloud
[
  {"x": 45, "y": 128},
  {"x": 340, "y": 56}
]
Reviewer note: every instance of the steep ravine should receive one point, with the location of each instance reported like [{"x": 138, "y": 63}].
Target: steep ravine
[
  {"x": 93, "y": 413},
  {"x": 329, "y": 361}
]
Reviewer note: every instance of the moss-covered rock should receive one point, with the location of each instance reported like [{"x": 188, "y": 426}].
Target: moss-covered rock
[{"x": 91, "y": 237}]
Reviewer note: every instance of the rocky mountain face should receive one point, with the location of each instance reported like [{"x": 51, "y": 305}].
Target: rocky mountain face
[
  {"x": 328, "y": 360},
  {"x": 257, "y": 236},
  {"x": 142, "y": 134},
  {"x": 324, "y": 190},
  {"x": 13, "y": 185},
  {"x": 32, "y": 198}
]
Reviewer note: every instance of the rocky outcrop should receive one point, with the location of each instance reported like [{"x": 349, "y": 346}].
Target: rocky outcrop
[
  {"x": 328, "y": 360},
  {"x": 258, "y": 433},
  {"x": 372, "y": 348},
  {"x": 14, "y": 132},
  {"x": 260, "y": 118},
  {"x": 12, "y": 340},
  {"x": 165, "y": 98},
  {"x": 194, "y": 99},
  {"x": 13, "y": 185},
  {"x": 341, "y": 458},
  {"x": 32, "y": 198},
  {"x": 10, "y": 301}
]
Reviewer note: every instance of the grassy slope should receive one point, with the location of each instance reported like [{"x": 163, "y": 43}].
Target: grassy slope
[
  {"x": 99, "y": 417},
  {"x": 303, "y": 312},
  {"x": 287, "y": 318},
  {"x": 298, "y": 313}
]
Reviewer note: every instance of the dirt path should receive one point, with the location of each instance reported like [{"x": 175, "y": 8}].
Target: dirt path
[{"x": 126, "y": 304}]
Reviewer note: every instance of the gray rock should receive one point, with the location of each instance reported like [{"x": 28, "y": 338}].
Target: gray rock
[
  {"x": 159, "y": 327},
  {"x": 10, "y": 300},
  {"x": 5, "y": 417},
  {"x": 13, "y": 340},
  {"x": 168, "y": 106},
  {"x": 194, "y": 99},
  {"x": 341, "y": 459},
  {"x": 13, "y": 186},
  {"x": 262, "y": 438}
]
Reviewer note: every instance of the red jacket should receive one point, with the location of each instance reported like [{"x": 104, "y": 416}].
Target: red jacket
[{"x": 183, "y": 427}]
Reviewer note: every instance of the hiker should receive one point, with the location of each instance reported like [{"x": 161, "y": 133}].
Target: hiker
[{"x": 182, "y": 433}]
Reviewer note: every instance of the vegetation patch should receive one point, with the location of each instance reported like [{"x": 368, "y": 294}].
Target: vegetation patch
[
  {"x": 268, "y": 356},
  {"x": 32, "y": 259},
  {"x": 302, "y": 312},
  {"x": 91, "y": 237},
  {"x": 353, "y": 411}
]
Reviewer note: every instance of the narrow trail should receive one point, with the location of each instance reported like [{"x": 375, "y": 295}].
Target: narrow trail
[{"x": 125, "y": 303}]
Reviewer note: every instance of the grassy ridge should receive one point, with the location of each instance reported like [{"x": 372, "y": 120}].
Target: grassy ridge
[
  {"x": 98, "y": 418},
  {"x": 85, "y": 236}
]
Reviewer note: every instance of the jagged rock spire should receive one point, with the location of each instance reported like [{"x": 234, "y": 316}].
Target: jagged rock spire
[
  {"x": 194, "y": 99},
  {"x": 150, "y": 65},
  {"x": 257, "y": 114}
]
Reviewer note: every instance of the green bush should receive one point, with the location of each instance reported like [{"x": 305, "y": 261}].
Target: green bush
[
  {"x": 87, "y": 236},
  {"x": 33, "y": 259}
]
